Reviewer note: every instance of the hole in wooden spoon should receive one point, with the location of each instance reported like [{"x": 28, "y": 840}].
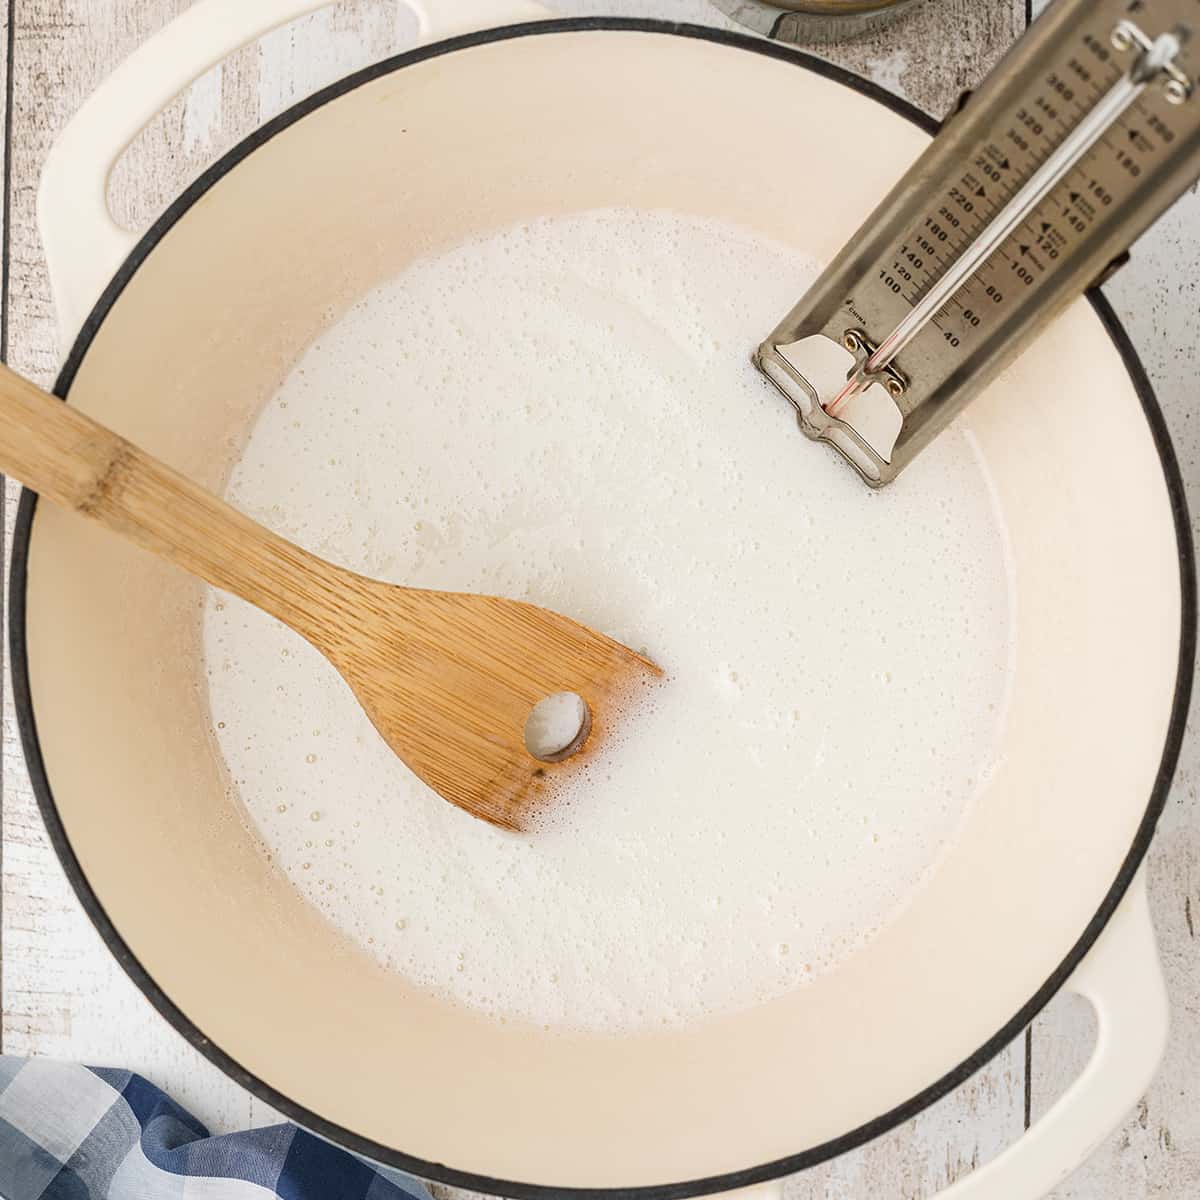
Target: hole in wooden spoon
[{"x": 557, "y": 727}]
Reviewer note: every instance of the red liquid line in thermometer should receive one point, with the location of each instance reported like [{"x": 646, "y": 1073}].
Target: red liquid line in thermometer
[{"x": 855, "y": 386}]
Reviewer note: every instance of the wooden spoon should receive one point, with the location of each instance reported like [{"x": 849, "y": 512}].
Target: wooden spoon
[{"x": 448, "y": 679}]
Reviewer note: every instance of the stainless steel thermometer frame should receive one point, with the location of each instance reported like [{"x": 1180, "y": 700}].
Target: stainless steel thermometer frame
[{"x": 1079, "y": 139}]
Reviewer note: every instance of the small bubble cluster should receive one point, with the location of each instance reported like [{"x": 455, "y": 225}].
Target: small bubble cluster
[{"x": 564, "y": 412}]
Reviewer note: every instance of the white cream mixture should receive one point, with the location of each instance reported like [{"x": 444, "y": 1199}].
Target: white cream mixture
[{"x": 565, "y": 412}]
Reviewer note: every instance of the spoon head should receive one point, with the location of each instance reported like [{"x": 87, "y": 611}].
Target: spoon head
[{"x": 450, "y": 681}]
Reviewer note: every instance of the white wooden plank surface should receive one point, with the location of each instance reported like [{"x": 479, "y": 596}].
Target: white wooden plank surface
[{"x": 61, "y": 994}]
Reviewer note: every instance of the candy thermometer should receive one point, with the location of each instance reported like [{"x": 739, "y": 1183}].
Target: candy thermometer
[{"x": 1033, "y": 190}]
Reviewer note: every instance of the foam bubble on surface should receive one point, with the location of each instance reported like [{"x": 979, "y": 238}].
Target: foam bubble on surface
[{"x": 565, "y": 412}]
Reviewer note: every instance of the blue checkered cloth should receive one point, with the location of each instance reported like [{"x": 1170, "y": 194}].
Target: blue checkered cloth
[{"x": 74, "y": 1133}]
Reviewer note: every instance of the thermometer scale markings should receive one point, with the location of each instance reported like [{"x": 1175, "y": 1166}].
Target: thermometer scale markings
[
  {"x": 1044, "y": 233},
  {"x": 980, "y": 250},
  {"x": 972, "y": 186}
]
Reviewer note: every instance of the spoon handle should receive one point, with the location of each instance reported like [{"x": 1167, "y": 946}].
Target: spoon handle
[{"x": 77, "y": 463}]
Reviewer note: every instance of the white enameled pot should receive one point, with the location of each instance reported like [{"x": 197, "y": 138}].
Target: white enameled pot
[{"x": 177, "y": 338}]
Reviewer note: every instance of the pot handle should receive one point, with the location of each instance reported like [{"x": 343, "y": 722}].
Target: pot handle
[
  {"x": 84, "y": 246},
  {"x": 1122, "y": 978}
]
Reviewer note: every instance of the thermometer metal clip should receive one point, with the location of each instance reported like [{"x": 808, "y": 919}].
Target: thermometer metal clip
[{"x": 1077, "y": 141}]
